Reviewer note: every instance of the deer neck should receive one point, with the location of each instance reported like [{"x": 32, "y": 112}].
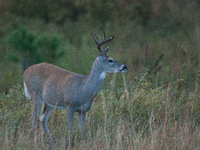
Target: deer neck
[{"x": 94, "y": 81}]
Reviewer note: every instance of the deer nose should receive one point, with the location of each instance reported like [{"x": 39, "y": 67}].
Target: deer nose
[{"x": 124, "y": 68}]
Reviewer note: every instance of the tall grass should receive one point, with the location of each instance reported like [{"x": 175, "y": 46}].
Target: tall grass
[{"x": 136, "y": 116}]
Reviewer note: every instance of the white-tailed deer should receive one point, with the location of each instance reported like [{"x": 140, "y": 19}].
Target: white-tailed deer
[{"x": 62, "y": 89}]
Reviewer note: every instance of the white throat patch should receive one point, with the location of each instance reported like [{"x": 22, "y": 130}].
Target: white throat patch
[{"x": 103, "y": 75}]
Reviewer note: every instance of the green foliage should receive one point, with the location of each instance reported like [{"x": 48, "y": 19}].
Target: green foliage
[
  {"x": 22, "y": 40},
  {"x": 47, "y": 10},
  {"x": 144, "y": 30},
  {"x": 12, "y": 57},
  {"x": 47, "y": 48},
  {"x": 33, "y": 49}
]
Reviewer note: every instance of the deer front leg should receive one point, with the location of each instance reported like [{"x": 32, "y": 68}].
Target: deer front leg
[
  {"x": 70, "y": 119},
  {"x": 81, "y": 120}
]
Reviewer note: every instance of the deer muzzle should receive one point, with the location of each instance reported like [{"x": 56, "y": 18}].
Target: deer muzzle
[{"x": 123, "y": 69}]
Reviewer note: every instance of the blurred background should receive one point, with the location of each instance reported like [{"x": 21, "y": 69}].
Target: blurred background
[{"x": 157, "y": 39}]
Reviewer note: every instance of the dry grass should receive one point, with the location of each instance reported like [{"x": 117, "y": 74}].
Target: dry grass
[{"x": 137, "y": 117}]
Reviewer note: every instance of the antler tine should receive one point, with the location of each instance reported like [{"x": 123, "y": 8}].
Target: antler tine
[
  {"x": 104, "y": 40},
  {"x": 94, "y": 38}
]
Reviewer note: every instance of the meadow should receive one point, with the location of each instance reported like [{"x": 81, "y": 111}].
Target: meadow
[
  {"x": 154, "y": 105},
  {"x": 136, "y": 116}
]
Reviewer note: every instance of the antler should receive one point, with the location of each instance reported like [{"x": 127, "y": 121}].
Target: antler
[{"x": 104, "y": 40}]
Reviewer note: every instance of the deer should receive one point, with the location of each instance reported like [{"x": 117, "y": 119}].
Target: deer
[{"x": 61, "y": 89}]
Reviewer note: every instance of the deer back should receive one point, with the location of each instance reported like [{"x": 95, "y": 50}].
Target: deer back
[{"x": 54, "y": 84}]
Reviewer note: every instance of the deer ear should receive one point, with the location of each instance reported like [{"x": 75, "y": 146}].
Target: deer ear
[{"x": 102, "y": 55}]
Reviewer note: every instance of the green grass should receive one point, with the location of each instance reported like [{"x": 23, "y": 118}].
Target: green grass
[{"x": 136, "y": 116}]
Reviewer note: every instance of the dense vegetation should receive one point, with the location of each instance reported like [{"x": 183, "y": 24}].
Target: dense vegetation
[
  {"x": 157, "y": 40},
  {"x": 135, "y": 118}
]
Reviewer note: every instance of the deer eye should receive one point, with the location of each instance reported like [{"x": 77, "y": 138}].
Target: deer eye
[{"x": 110, "y": 60}]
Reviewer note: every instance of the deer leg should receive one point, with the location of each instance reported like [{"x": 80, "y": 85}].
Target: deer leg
[
  {"x": 81, "y": 120},
  {"x": 44, "y": 118},
  {"x": 37, "y": 103},
  {"x": 70, "y": 120}
]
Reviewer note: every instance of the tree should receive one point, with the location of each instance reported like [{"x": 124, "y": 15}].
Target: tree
[
  {"x": 32, "y": 48},
  {"x": 23, "y": 42}
]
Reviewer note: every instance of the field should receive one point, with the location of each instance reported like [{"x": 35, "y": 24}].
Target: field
[
  {"x": 155, "y": 105},
  {"x": 136, "y": 116}
]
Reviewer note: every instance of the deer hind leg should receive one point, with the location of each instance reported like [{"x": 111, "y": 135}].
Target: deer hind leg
[
  {"x": 37, "y": 103},
  {"x": 44, "y": 118}
]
